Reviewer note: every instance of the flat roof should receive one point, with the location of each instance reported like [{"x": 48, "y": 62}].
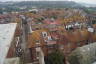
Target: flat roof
[
  {"x": 15, "y": 60},
  {"x": 6, "y": 35}
]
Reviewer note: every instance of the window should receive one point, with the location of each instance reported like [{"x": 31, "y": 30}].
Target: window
[
  {"x": 93, "y": 21},
  {"x": 79, "y": 43},
  {"x": 44, "y": 34},
  {"x": 49, "y": 38},
  {"x": 37, "y": 55},
  {"x": 37, "y": 43},
  {"x": 61, "y": 47},
  {"x": 69, "y": 27}
]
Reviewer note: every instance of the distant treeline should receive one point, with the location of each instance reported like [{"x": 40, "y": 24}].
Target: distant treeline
[{"x": 16, "y": 6}]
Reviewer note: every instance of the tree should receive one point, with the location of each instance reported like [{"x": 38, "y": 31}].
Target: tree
[
  {"x": 55, "y": 57},
  {"x": 1, "y": 11}
]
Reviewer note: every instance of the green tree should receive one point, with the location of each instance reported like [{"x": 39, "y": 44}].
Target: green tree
[
  {"x": 55, "y": 57},
  {"x": 1, "y": 11}
]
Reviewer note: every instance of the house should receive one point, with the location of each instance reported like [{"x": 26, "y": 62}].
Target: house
[
  {"x": 35, "y": 44},
  {"x": 40, "y": 44}
]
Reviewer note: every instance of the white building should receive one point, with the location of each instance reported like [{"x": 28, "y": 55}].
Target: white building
[{"x": 7, "y": 32}]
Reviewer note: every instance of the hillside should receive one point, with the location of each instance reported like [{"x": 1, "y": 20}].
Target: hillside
[{"x": 15, "y": 6}]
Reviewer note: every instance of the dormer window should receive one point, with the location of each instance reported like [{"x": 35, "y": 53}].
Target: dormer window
[
  {"x": 91, "y": 29},
  {"x": 44, "y": 34},
  {"x": 77, "y": 24},
  {"x": 37, "y": 42},
  {"x": 69, "y": 27}
]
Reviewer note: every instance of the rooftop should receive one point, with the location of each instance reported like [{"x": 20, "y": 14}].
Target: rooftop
[
  {"x": 15, "y": 60},
  {"x": 6, "y": 34}
]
